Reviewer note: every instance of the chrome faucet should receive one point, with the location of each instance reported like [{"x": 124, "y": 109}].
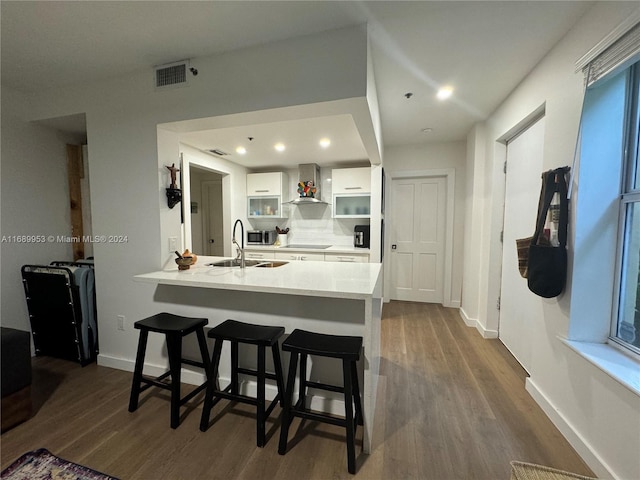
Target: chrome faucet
[{"x": 240, "y": 253}]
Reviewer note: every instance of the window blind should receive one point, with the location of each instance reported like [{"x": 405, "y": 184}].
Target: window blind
[{"x": 612, "y": 54}]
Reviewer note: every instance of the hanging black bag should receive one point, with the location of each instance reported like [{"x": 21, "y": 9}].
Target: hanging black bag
[
  {"x": 547, "y": 264},
  {"x": 523, "y": 244}
]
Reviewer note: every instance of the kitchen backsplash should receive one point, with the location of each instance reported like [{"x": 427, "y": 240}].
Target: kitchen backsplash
[{"x": 313, "y": 224}]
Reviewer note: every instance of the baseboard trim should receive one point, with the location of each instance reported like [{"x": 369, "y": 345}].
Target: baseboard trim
[
  {"x": 469, "y": 322},
  {"x": 487, "y": 333},
  {"x": 316, "y": 399},
  {"x": 186, "y": 376},
  {"x": 577, "y": 441},
  {"x": 472, "y": 322}
]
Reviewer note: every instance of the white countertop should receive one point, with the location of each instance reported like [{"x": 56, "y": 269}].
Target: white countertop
[{"x": 318, "y": 279}]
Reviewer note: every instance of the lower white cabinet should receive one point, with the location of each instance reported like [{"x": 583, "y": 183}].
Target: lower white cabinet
[
  {"x": 300, "y": 256},
  {"x": 258, "y": 255},
  {"x": 275, "y": 254},
  {"x": 346, "y": 257}
]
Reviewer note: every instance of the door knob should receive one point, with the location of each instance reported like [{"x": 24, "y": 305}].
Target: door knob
[
  {"x": 394, "y": 246},
  {"x": 211, "y": 240}
]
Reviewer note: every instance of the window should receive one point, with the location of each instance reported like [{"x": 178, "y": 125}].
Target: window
[
  {"x": 625, "y": 328},
  {"x": 605, "y": 275}
]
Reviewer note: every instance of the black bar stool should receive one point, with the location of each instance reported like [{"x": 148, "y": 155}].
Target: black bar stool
[
  {"x": 301, "y": 344},
  {"x": 261, "y": 336},
  {"x": 174, "y": 327}
]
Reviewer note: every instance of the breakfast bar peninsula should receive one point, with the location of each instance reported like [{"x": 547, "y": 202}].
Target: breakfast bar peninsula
[{"x": 325, "y": 297}]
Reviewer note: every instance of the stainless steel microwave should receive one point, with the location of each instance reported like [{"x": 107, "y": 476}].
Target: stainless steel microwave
[{"x": 261, "y": 237}]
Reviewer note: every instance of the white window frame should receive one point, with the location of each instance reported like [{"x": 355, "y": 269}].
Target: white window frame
[{"x": 629, "y": 194}]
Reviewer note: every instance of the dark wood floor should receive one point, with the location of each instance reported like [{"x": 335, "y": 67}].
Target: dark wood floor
[{"x": 451, "y": 405}]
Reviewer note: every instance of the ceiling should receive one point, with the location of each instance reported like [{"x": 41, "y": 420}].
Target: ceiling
[
  {"x": 482, "y": 49},
  {"x": 301, "y": 139}
]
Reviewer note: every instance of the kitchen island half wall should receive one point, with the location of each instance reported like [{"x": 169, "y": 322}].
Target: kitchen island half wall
[{"x": 325, "y": 297}]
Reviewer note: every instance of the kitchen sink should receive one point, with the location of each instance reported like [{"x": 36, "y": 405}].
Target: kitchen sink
[
  {"x": 271, "y": 264},
  {"x": 234, "y": 263}
]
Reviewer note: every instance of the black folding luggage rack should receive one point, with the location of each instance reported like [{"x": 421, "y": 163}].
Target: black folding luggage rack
[{"x": 61, "y": 303}]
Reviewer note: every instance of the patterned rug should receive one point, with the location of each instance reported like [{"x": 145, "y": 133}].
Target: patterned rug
[
  {"x": 531, "y": 471},
  {"x": 42, "y": 465}
]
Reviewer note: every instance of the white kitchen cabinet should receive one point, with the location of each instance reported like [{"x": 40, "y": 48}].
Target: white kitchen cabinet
[
  {"x": 266, "y": 192},
  {"x": 258, "y": 255},
  {"x": 351, "y": 191},
  {"x": 351, "y": 180},
  {"x": 266, "y": 184},
  {"x": 300, "y": 256},
  {"x": 347, "y": 257}
]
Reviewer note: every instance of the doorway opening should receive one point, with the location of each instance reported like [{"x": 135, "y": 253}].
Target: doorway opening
[{"x": 206, "y": 212}]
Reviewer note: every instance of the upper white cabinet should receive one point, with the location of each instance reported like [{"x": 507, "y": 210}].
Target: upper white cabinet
[
  {"x": 265, "y": 194},
  {"x": 351, "y": 191}
]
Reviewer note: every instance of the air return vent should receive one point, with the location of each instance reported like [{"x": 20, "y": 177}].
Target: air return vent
[
  {"x": 172, "y": 74},
  {"x": 217, "y": 151}
]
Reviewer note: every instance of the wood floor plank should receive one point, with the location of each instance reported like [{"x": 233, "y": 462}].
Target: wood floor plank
[{"x": 451, "y": 405}]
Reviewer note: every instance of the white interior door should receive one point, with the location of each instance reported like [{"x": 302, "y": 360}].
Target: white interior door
[
  {"x": 520, "y": 310},
  {"x": 418, "y": 239},
  {"x": 212, "y": 219}
]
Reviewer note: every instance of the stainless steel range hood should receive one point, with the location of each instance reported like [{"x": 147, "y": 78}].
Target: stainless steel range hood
[{"x": 308, "y": 172}]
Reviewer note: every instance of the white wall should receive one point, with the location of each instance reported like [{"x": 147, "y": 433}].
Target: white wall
[
  {"x": 474, "y": 196},
  {"x": 128, "y": 154},
  {"x": 35, "y": 201},
  {"x": 598, "y": 415},
  {"x": 435, "y": 157}
]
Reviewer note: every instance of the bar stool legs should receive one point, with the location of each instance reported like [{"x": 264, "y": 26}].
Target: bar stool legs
[
  {"x": 301, "y": 344},
  {"x": 348, "y": 407},
  {"x": 286, "y": 407},
  {"x": 137, "y": 372},
  {"x": 262, "y": 337},
  {"x": 174, "y": 328}
]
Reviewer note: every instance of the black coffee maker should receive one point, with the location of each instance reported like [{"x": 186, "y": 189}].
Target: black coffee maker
[{"x": 361, "y": 236}]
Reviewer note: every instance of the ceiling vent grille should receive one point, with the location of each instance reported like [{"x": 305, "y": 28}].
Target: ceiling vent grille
[
  {"x": 172, "y": 74},
  {"x": 217, "y": 151}
]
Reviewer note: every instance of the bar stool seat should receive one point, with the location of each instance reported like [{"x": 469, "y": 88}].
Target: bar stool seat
[
  {"x": 174, "y": 327},
  {"x": 263, "y": 337},
  {"x": 302, "y": 343}
]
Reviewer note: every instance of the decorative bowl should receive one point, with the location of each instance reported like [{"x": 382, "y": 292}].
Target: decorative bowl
[{"x": 184, "y": 262}]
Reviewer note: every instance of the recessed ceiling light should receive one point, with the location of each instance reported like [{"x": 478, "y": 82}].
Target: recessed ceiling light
[
  {"x": 241, "y": 150},
  {"x": 325, "y": 142},
  {"x": 279, "y": 147},
  {"x": 444, "y": 93}
]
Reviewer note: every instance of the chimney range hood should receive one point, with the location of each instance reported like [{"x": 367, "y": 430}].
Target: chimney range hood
[{"x": 308, "y": 172}]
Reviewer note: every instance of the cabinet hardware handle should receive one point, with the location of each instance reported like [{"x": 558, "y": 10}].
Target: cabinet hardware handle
[
  {"x": 262, "y": 191},
  {"x": 353, "y": 188}
]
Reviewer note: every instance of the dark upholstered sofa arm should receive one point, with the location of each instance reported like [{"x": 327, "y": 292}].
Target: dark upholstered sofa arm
[
  {"x": 16, "y": 360},
  {"x": 16, "y": 404}
]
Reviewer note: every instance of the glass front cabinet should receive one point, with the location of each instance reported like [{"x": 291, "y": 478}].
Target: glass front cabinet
[
  {"x": 351, "y": 192},
  {"x": 266, "y": 193}
]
